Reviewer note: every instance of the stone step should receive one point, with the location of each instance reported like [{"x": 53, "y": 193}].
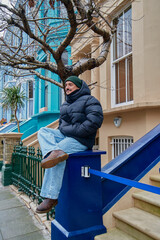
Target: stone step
[
  {"x": 114, "y": 234},
  {"x": 147, "y": 201},
  {"x": 155, "y": 180},
  {"x": 138, "y": 223}
]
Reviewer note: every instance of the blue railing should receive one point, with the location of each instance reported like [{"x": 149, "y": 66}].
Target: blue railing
[
  {"x": 132, "y": 164},
  {"x": 83, "y": 201},
  {"x": 127, "y": 182}
]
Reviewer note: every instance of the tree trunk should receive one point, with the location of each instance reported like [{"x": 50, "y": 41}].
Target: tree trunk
[{"x": 15, "y": 114}]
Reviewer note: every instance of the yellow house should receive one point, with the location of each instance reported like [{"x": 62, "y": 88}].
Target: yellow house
[{"x": 128, "y": 84}]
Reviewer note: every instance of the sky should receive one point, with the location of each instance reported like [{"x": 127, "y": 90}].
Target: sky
[
  {"x": 7, "y": 3},
  {"x": 4, "y": 1}
]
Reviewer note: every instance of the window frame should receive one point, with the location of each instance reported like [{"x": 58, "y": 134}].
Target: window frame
[
  {"x": 30, "y": 100},
  {"x": 113, "y": 66}
]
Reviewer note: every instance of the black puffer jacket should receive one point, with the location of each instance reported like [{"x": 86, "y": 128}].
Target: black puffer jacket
[{"x": 80, "y": 116}]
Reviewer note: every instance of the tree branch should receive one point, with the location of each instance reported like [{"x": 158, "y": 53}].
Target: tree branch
[
  {"x": 47, "y": 78},
  {"x": 90, "y": 63}
]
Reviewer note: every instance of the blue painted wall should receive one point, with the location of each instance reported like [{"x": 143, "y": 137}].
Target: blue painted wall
[{"x": 46, "y": 93}]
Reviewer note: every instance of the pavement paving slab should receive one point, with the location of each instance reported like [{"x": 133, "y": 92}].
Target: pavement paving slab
[
  {"x": 17, "y": 222},
  {"x": 1, "y": 236},
  {"x": 10, "y": 203},
  {"x": 14, "y": 213},
  {"x": 5, "y": 194},
  {"x": 18, "y": 227},
  {"x": 30, "y": 236}
]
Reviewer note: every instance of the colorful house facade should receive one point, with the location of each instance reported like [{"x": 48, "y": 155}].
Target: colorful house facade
[
  {"x": 26, "y": 84},
  {"x": 44, "y": 98}
]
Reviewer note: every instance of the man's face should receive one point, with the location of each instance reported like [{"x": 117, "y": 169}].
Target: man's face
[{"x": 70, "y": 87}]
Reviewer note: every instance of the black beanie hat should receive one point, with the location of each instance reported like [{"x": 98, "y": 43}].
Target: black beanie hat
[{"x": 75, "y": 80}]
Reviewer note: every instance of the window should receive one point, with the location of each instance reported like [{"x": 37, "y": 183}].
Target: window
[
  {"x": 62, "y": 12},
  {"x": 4, "y": 79},
  {"x": 65, "y": 57},
  {"x": 122, "y": 59},
  {"x": 30, "y": 98},
  {"x": 46, "y": 94},
  {"x": 44, "y": 10},
  {"x": 4, "y": 113},
  {"x": 30, "y": 89},
  {"x": 61, "y": 91},
  {"x": 120, "y": 144},
  {"x": 45, "y": 13}
]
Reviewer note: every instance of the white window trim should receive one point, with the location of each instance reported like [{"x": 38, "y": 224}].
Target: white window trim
[
  {"x": 113, "y": 63},
  {"x": 113, "y": 83},
  {"x": 28, "y": 107}
]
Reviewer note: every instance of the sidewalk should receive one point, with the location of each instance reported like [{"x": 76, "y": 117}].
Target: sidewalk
[{"x": 17, "y": 222}]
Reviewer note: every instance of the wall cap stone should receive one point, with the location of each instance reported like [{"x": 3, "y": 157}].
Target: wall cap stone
[{"x": 11, "y": 135}]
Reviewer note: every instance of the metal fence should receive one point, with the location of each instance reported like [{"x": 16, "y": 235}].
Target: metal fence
[{"x": 27, "y": 173}]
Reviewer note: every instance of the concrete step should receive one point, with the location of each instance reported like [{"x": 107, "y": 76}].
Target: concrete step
[
  {"x": 33, "y": 143},
  {"x": 114, "y": 234},
  {"x": 155, "y": 180},
  {"x": 147, "y": 201},
  {"x": 33, "y": 137},
  {"x": 138, "y": 223}
]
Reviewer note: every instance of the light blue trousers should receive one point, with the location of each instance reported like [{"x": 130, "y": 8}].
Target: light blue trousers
[{"x": 49, "y": 140}]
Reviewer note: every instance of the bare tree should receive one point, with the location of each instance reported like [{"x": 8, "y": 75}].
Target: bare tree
[{"x": 46, "y": 33}]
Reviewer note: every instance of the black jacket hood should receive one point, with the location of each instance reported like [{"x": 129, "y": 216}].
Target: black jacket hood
[{"x": 84, "y": 90}]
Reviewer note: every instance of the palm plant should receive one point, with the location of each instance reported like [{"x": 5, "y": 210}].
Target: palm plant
[{"x": 13, "y": 98}]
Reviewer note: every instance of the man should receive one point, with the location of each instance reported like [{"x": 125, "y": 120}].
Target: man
[{"x": 80, "y": 117}]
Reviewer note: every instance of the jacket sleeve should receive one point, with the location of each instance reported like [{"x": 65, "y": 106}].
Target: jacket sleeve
[{"x": 93, "y": 121}]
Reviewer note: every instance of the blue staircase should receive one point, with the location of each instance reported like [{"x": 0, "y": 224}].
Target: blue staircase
[{"x": 6, "y": 128}]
